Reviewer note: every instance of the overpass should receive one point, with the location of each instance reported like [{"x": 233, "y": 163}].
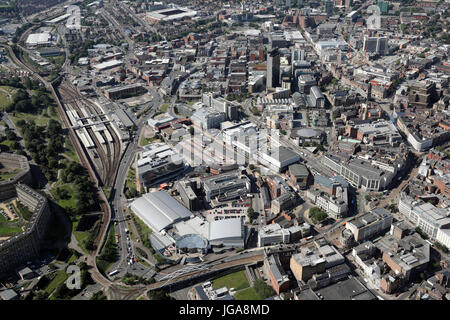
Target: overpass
[{"x": 190, "y": 274}]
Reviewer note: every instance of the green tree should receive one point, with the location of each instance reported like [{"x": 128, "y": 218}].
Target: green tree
[
  {"x": 317, "y": 215},
  {"x": 10, "y": 135},
  {"x": 263, "y": 290},
  {"x": 99, "y": 295},
  {"x": 251, "y": 214},
  {"x": 159, "y": 295},
  {"x": 40, "y": 295}
]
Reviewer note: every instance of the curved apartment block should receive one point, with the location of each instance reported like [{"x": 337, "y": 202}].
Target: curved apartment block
[{"x": 25, "y": 246}]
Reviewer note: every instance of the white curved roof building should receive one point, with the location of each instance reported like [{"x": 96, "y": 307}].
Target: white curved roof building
[{"x": 159, "y": 210}]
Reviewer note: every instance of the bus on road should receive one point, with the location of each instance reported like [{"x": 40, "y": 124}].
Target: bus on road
[{"x": 112, "y": 273}]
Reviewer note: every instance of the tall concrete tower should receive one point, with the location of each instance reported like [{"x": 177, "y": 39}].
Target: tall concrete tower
[
  {"x": 329, "y": 6},
  {"x": 273, "y": 69}
]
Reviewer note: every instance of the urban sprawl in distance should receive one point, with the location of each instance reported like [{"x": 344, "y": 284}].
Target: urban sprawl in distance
[{"x": 224, "y": 150}]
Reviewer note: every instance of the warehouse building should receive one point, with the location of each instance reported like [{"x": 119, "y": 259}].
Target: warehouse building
[
  {"x": 39, "y": 39},
  {"x": 108, "y": 65},
  {"x": 9, "y": 294}
]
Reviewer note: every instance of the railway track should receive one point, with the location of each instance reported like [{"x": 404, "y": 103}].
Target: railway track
[
  {"x": 112, "y": 158},
  {"x": 104, "y": 160},
  {"x": 109, "y": 158},
  {"x": 116, "y": 155},
  {"x": 67, "y": 94},
  {"x": 85, "y": 161},
  {"x": 108, "y": 172},
  {"x": 125, "y": 293}
]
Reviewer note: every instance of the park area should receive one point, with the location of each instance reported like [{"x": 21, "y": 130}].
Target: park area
[
  {"x": 8, "y": 173},
  {"x": 65, "y": 196},
  {"x": 6, "y": 94},
  {"x": 236, "y": 280},
  {"x": 243, "y": 291},
  {"x": 9, "y": 228},
  {"x": 13, "y": 218}
]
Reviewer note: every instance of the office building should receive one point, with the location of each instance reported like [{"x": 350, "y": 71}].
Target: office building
[
  {"x": 422, "y": 94},
  {"x": 278, "y": 276},
  {"x": 336, "y": 206},
  {"x": 407, "y": 257},
  {"x": 226, "y": 186},
  {"x": 277, "y": 159},
  {"x": 124, "y": 91},
  {"x": 208, "y": 118},
  {"x": 157, "y": 164},
  {"x": 284, "y": 202},
  {"x": 307, "y": 263},
  {"x": 305, "y": 83},
  {"x": 272, "y": 234},
  {"x": 377, "y": 45},
  {"x": 220, "y": 104},
  {"x": 186, "y": 190},
  {"x": 329, "y": 8},
  {"x": 370, "y": 224},
  {"x": 300, "y": 175},
  {"x": 359, "y": 173},
  {"x": 427, "y": 217},
  {"x": 384, "y": 6},
  {"x": 273, "y": 69},
  {"x": 316, "y": 98}
]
